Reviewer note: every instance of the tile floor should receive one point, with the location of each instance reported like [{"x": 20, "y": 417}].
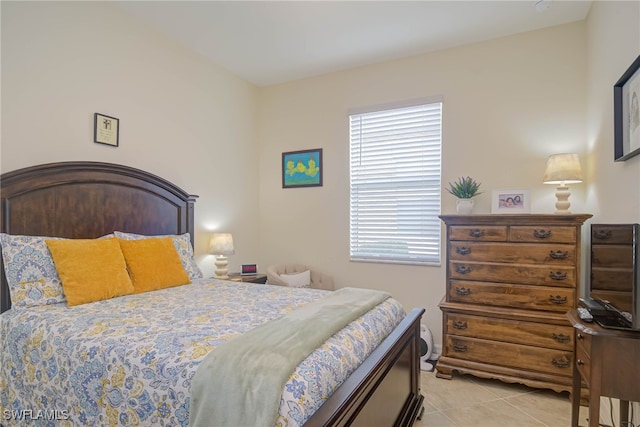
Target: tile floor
[{"x": 467, "y": 401}]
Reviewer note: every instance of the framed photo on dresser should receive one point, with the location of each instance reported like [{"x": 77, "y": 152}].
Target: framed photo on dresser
[{"x": 511, "y": 201}]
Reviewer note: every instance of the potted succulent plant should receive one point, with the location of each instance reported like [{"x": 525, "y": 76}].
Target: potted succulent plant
[{"x": 465, "y": 188}]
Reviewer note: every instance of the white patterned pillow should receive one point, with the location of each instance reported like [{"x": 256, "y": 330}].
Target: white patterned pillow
[
  {"x": 182, "y": 243},
  {"x": 298, "y": 280},
  {"x": 31, "y": 274}
]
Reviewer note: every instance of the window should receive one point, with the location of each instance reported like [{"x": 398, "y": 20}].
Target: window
[{"x": 395, "y": 184}]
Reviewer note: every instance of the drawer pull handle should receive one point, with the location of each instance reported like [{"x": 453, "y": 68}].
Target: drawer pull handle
[
  {"x": 561, "y": 363},
  {"x": 541, "y": 234},
  {"x": 476, "y": 233},
  {"x": 602, "y": 234},
  {"x": 462, "y": 269},
  {"x": 463, "y": 291},
  {"x": 580, "y": 336},
  {"x": 459, "y": 324},
  {"x": 580, "y": 362},
  {"x": 558, "y": 275},
  {"x": 460, "y": 348},
  {"x": 558, "y": 299},
  {"x": 559, "y": 254},
  {"x": 561, "y": 338},
  {"x": 463, "y": 250}
]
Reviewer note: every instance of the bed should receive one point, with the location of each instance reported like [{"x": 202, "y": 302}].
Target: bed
[{"x": 91, "y": 199}]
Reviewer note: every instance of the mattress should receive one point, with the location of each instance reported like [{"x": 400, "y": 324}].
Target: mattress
[{"x": 130, "y": 360}]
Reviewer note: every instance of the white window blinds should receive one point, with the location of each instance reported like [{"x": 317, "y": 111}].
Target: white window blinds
[{"x": 395, "y": 185}]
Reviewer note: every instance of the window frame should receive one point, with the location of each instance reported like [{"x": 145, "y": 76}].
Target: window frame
[{"x": 427, "y": 247}]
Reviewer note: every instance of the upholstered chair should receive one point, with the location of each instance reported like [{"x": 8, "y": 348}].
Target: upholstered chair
[{"x": 294, "y": 273}]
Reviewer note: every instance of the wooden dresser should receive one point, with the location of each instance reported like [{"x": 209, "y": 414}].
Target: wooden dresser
[{"x": 510, "y": 281}]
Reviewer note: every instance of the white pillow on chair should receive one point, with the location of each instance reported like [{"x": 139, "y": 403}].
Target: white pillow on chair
[{"x": 298, "y": 280}]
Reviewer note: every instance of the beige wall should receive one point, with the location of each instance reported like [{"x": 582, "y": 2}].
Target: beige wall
[
  {"x": 181, "y": 117},
  {"x": 613, "y": 44},
  {"x": 508, "y": 104}
]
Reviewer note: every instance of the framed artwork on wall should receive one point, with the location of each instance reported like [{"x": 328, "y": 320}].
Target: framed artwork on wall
[
  {"x": 302, "y": 168},
  {"x": 626, "y": 113},
  {"x": 511, "y": 201},
  {"x": 106, "y": 130}
]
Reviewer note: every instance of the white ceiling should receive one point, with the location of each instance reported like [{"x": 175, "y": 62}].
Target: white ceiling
[{"x": 271, "y": 42}]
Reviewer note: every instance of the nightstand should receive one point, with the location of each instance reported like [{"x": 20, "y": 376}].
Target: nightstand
[
  {"x": 251, "y": 278},
  {"x": 605, "y": 362}
]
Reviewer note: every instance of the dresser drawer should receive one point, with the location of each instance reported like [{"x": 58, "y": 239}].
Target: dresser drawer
[
  {"x": 542, "y": 234},
  {"x": 525, "y": 253},
  {"x": 611, "y": 234},
  {"x": 583, "y": 362},
  {"x": 584, "y": 340},
  {"x": 583, "y": 356},
  {"x": 613, "y": 256},
  {"x": 515, "y": 296},
  {"x": 549, "y": 275},
  {"x": 478, "y": 233},
  {"x": 518, "y": 332},
  {"x": 517, "y": 356}
]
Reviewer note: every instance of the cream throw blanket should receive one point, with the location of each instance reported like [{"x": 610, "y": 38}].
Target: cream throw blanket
[{"x": 239, "y": 384}]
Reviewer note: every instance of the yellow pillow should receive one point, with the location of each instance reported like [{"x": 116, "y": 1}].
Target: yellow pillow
[
  {"x": 90, "y": 269},
  {"x": 153, "y": 264}
]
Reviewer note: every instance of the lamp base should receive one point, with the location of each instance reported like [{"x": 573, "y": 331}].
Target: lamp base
[
  {"x": 221, "y": 267},
  {"x": 562, "y": 205}
]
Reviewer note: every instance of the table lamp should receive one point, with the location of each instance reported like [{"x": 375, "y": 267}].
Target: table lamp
[
  {"x": 562, "y": 169},
  {"x": 221, "y": 244}
]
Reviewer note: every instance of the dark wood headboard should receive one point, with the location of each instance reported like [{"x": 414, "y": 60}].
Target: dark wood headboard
[{"x": 88, "y": 200}]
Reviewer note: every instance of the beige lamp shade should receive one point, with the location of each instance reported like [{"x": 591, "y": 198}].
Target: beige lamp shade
[
  {"x": 562, "y": 168},
  {"x": 221, "y": 244}
]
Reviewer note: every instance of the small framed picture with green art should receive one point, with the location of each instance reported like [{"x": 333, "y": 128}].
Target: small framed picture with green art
[{"x": 302, "y": 168}]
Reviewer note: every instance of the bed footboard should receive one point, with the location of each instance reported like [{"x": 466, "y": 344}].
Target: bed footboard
[{"x": 385, "y": 389}]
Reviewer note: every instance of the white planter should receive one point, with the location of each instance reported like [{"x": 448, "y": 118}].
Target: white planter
[{"x": 464, "y": 206}]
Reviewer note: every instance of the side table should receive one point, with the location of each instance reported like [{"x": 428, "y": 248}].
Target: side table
[
  {"x": 606, "y": 362},
  {"x": 250, "y": 278}
]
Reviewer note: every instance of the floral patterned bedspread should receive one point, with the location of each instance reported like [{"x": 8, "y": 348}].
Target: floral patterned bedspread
[{"x": 130, "y": 360}]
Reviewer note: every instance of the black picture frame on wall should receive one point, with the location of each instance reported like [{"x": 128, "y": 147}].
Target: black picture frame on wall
[
  {"x": 106, "y": 130},
  {"x": 302, "y": 168},
  {"x": 626, "y": 113}
]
